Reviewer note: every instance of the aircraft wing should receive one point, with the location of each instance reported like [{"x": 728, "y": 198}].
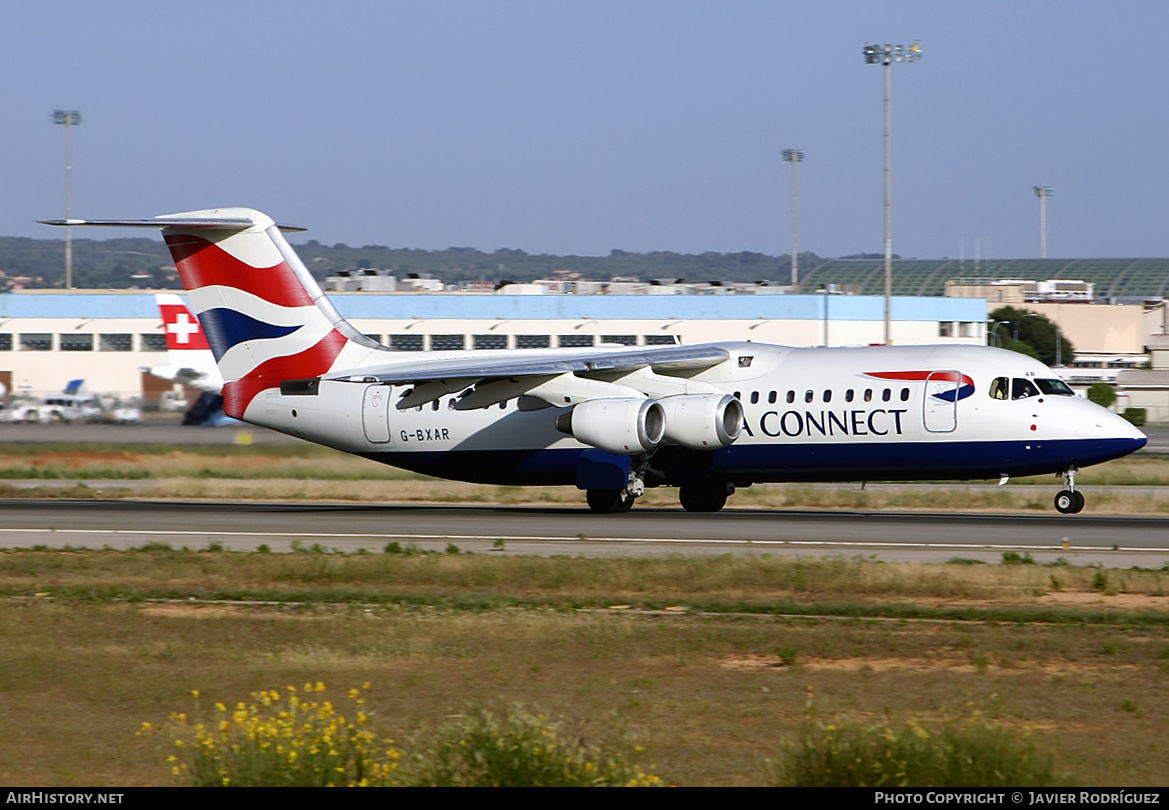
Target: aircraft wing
[
  {"x": 557, "y": 377},
  {"x": 560, "y": 362}
]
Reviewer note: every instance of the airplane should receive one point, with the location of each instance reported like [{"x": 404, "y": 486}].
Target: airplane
[
  {"x": 614, "y": 421},
  {"x": 191, "y": 361}
]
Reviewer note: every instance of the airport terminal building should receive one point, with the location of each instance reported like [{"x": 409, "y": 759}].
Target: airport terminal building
[{"x": 110, "y": 338}]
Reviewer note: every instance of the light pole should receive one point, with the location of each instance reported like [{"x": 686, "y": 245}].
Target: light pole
[
  {"x": 886, "y": 55},
  {"x": 794, "y": 156},
  {"x": 994, "y": 330},
  {"x": 70, "y": 118},
  {"x": 1043, "y": 192}
]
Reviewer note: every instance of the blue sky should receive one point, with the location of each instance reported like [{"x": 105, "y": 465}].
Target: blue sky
[{"x": 576, "y": 127}]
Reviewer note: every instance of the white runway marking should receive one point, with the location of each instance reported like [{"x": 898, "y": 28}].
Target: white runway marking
[{"x": 488, "y": 538}]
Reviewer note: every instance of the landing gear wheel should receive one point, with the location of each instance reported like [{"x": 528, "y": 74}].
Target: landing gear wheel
[
  {"x": 1069, "y": 502},
  {"x": 703, "y": 498},
  {"x": 609, "y": 501}
]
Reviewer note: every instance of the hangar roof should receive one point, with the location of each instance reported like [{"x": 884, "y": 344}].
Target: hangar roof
[{"x": 94, "y": 304}]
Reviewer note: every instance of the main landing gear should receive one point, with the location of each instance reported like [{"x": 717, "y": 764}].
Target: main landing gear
[
  {"x": 704, "y": 497},
  {"x": 609, "y": 501},
  {"x": 616, "y": 501},
  {"x": 693, "y": 497},
  {"x": 1069, "y": 501}
]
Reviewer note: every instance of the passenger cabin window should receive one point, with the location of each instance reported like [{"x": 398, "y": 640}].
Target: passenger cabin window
[
  {"x": 808, "y": 396},
  {"x": 827, "y": 396},
  {"x": 886, "y": 395},
  {"x": 771, "y": 398},
  {"x": 905, "y": 395},
  {"x": 754, "y": 397},
  {"x": 791, "y": 396},
  {"x": 848, "y": 395}
]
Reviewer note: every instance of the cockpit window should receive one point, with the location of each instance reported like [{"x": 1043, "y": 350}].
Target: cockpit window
[
  {"x": 999, "y": 388},
  {"x": 1056, "y": 387},
  {"x": 1022, "y": 388}
]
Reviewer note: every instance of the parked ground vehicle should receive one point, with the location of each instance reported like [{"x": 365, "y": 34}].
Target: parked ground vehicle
[
  {"x": 70, "y": 408},
  {"x": 21, "y": 408}
]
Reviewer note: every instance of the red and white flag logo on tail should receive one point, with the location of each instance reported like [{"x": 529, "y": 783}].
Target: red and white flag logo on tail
[{"x": 180, "y": 327}]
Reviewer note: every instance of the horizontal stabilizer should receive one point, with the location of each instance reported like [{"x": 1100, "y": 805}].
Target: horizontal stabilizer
[{"x": 179, "y": 221}]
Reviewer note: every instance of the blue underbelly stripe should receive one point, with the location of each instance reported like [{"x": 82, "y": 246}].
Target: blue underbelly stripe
[{"x": 777, "y": 463}]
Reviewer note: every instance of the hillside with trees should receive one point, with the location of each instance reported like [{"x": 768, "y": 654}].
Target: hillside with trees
[{"x": 146, "y": 264}]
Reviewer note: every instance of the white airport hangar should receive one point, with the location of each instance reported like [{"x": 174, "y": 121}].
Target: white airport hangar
[{"x": 109, "y": 338}]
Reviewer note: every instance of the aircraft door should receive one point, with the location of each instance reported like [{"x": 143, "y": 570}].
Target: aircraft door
[
  {"x": 940, "y": 409},
  {"x": 375, "y": 413}
]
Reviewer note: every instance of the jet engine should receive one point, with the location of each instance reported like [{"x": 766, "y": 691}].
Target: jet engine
[
  {"x": 702, "y": 421},
  {"x": 622, "y": 426}
]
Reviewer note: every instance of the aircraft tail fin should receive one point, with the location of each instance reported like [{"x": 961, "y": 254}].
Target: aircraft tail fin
[
  {"x": 189, "y": 354},
  {"x": 264, "y": 316}
]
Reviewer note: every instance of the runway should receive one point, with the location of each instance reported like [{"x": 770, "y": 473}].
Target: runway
[{"x": 891, "y": 536}]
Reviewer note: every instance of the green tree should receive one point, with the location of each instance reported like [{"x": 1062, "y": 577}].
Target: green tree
[
  {"x": 1102, "y": 394},
  {"x": 1034, "y": 331}
]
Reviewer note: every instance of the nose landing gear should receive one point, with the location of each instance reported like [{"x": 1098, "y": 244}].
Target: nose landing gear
[{"x": 1069, "y": 501}]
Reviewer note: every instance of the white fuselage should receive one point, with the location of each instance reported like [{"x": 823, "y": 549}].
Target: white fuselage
[{"x": 811, "y": 414}]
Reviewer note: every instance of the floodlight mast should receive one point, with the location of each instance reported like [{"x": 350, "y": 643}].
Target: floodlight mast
[
  {"x": 794, "y": 156},
  {"x": 70, "y": 119},
  {"x": 1043, "y": 192},
  {"x": 886, "y": 55}
]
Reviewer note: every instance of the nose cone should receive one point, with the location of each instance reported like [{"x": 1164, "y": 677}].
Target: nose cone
[
  {"x": 1120, "y": 428},
  {"x": 1115, "y": 436}
]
